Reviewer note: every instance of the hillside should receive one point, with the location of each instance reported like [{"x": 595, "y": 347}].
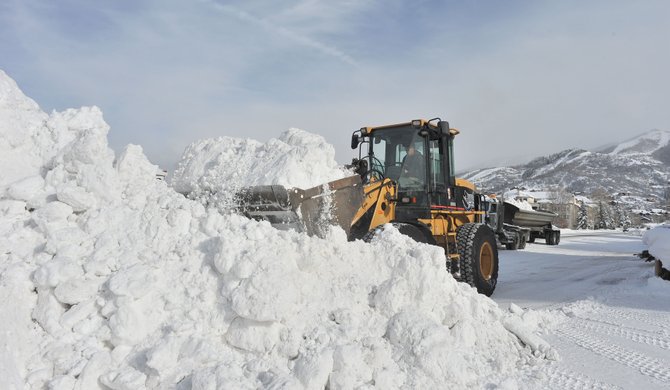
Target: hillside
[{"x": 638, "y": 167}]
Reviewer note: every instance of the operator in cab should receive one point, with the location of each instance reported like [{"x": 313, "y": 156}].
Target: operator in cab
[{"x": 414, "y": 164}]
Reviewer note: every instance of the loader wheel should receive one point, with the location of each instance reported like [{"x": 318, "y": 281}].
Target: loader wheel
[{"x": 478, "y": 257}]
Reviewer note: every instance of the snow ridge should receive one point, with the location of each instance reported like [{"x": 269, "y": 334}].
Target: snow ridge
[{"x": 647, "y": 143}]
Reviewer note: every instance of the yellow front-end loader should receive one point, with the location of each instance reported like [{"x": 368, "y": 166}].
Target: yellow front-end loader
[{"x": 405, "y": 177}]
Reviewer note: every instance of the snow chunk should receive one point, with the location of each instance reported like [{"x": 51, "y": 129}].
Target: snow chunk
[
  {"x": 56, "y": 271},
  {"x": 74, "y": 291},
  {"x": 76, "y": 197},
  {"x": 22, "y": 135},
  {"x": 26, "y": 189},
  {"x": 252, "y": 335},
  {"x": 133, "y": 166}
]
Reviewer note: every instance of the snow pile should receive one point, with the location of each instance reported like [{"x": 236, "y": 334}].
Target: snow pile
[
  {"x": 109, "y": 277},
  {"x": 658, "y": 241},
  {"x": 212, "y": 170},
  {"x": 520, "y": 204}
]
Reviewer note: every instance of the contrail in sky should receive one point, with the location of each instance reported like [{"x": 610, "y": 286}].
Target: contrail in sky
[{"x": 302, "y": 39}]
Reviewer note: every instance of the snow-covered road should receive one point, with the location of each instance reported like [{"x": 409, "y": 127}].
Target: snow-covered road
[{"x": 615, "y": 326}]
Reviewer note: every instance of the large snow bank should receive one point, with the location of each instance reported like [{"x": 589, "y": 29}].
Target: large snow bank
[
  {"x": 111, "y": 278},
  {"x": 658, "y": 241}
]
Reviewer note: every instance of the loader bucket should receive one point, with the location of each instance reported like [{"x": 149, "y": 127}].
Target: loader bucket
[
  {"x": 311, "y": 211},
  {"x": 270, "y": 203}
]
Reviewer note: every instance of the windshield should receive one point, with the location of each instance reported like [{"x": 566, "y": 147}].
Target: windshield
[{"x": 399, "y": 154}]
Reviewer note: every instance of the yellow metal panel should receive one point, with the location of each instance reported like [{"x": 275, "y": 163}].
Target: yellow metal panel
[
  {"x": 370, "y": 192},
  {"x": 424, "y": 122},
  {"x": 464, "y": 183},
  {"x": 384, "y": 210},
  {"x": 371, "y": 196}
]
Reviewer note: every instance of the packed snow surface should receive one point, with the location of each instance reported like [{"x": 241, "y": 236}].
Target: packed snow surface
[
  {"x": 110, "y": 278},
  {"x": 615, "y": 328}
]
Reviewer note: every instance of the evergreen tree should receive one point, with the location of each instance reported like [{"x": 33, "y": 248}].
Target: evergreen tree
[
  {"x": 622, "y": 217},
  {"x": 582, "y": 217},
  {"x": 606, "y": 221}
]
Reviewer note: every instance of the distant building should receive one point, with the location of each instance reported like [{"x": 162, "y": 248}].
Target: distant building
[{"x": 610, "y": 211}]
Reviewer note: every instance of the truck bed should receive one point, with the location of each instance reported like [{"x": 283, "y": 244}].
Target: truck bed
[{"x": 527, "y": 218}]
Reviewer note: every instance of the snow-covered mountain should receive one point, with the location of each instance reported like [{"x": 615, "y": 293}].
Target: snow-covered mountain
[{"x": 639, "y": 166}]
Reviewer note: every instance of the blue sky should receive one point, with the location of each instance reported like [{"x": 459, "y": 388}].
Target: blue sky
[{"x": 519, "y": 78}]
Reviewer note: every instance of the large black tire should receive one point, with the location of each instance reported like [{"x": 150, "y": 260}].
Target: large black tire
[
  {"x": 553, "y": 237},
  {"x": 514, "y": 245},
  {"x": 478, "y": 257},
  {"x": 522, "y": 241}
]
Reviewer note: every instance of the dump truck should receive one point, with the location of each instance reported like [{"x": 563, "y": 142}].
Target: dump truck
[
  {"x": 404, "y": 177},
  {"x": 515, "y": 226}
]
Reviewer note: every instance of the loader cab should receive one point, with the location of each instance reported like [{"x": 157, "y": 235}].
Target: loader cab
[{"x": 417, "y": 157}]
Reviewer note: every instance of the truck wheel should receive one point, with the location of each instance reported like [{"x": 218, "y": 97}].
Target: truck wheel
[
  {"x": 553, "y": 237},
  {"x": 512, "y": 246},
  {"x": 531, "y": 239},
  {"x": 522, "y": 241},
  {"x": 478, "y": 257},
  {"x": 549, "y": 238}
]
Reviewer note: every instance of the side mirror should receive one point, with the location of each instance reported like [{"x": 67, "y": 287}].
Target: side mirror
[
  {"x": 444, "y": 127},
  {"x": 355, "y": 140}
]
